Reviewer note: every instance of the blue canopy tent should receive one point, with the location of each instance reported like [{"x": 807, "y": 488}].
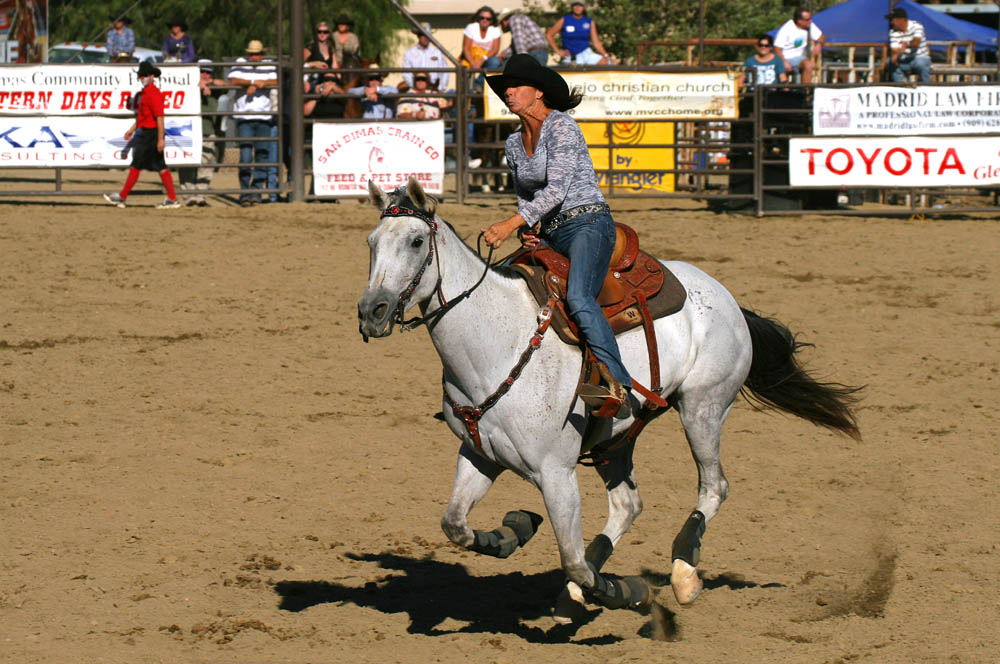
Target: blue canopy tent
[{"x": 864, "y": 21}]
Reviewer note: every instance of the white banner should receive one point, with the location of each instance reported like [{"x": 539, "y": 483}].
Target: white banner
[
  {"x": 888, "y": 111},
  {"x": 347, "y": 156},
  {"x": 92, "y": 90},
  {"x": 66, "y": 142},
  {"x": 896, "y": 162},
  {"x": 629, "y": 95}
]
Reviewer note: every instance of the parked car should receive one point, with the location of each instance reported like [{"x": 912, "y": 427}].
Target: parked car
[{"x": 69, "y": 52}]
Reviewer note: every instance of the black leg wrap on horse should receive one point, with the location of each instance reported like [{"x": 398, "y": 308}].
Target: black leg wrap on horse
[
  {"x": 598, "y": 552},
  {"x": 628, "y": 593},
  {"x": 687, "y": 544},
  {"x": 499, "y": 543},
  {"x": 523, "y": 523}
]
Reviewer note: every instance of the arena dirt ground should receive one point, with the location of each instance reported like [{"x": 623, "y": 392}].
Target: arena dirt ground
[{"x": 200, "y": 461}]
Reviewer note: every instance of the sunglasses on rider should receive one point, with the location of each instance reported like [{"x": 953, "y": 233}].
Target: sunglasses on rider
[{"x": 485, "y": 18}]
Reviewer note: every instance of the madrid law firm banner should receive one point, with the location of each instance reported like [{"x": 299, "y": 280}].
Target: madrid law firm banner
[
  {"x": 347, "y": 156},
  {"x": 77, "y": 115},
  {"x": 898, "y": 111}
]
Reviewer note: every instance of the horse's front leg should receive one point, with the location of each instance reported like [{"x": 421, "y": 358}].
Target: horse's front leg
[
  {"x": 473, "y": 478},
  {"x": 624, "y": 506},
  {"x": 562, "y": 500}
]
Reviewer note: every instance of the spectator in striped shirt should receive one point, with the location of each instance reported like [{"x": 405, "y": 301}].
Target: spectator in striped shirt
[
  {"x": 910, "y": 54},
  {"x": 526, "y": 36}
]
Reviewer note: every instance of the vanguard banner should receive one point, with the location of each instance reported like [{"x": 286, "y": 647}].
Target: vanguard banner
[
  {"x": 77, "y": 115},
  {"x": 347, "y": 156},
  {"x": 67, "y": 142},
  {"x": 882, "y": 110},
  {"x": 623, "y": 96},
  {"x": 895, "y": 162}
]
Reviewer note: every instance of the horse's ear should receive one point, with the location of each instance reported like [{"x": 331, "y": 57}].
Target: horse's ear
[
  {"x": 378, "y": 197},
  {"x": 419, "y": 198}
]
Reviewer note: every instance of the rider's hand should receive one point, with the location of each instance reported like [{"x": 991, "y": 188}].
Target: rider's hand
[
  {"x": 500, "y": 231},
  {"x": 529, "y": 240}
]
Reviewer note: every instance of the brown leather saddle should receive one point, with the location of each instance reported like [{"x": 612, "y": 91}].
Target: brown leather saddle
[{"x": 636, "y": 289}]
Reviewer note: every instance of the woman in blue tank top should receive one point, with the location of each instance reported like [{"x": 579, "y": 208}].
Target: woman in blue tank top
[{"x": 578, "y": 32}]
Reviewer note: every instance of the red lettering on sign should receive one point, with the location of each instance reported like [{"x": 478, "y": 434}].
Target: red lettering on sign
[
  {"x": 812, "y": 152},
  {"x": 906, "y": 164},
  {"x": 829, "y": 161},
  {"x": 868, "y": 160},
  {"x": 953, "y": 157}
]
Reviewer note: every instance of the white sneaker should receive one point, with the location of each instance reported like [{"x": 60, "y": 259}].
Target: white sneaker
[
  {"x": 168, "y": 204},
  {"x": 475, "y": 163},
  {"x": 115, "y": 199}
]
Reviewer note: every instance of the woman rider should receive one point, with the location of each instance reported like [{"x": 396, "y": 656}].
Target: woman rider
[{"x": 558, "y": 200}]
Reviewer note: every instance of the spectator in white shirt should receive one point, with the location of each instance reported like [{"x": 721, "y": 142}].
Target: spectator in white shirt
[
  {"x": 254, "y": 119},
  {"x": 426, "y": 55},
  {"x": 797, "y": 42}
]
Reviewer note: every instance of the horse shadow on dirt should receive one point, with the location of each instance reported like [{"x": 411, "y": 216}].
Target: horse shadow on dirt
[{"x": 436, "y": 595}]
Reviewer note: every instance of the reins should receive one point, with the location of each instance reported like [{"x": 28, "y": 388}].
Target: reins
[{"x": 404, "y": 297}]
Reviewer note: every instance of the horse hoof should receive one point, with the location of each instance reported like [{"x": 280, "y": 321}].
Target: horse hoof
[
  {"x": 685, "y": 582},
  {"x": 569, "y": 604}
]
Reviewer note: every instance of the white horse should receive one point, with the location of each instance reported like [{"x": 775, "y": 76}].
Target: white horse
[{"x": 481, "y": 321}]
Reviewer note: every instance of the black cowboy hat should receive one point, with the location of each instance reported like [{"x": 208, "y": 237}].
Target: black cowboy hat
[
  {"x": 178, "y": 21},
  {"x": 146, "y": 68},
  {"x": 522, "y": 68},
  {"x": 343, "y": 19}
]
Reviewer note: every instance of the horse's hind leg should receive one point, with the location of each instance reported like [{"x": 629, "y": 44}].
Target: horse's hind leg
[
  {"x": 624, "y": 506},
  {"x": 702, "y": 418},
  {"x": 473, "y": 478}
]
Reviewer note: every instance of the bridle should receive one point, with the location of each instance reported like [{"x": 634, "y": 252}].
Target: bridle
[{"x": 404, "y": 297}]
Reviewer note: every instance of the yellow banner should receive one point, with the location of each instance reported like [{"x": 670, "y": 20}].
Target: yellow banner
[
  {"x": 628, "y": 153},
  {"x": 625, "y": 96}
]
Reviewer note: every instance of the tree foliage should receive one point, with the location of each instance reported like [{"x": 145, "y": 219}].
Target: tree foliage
[
  {"x": 623, "y": 25},
  {"x": 221, "y": 30}
]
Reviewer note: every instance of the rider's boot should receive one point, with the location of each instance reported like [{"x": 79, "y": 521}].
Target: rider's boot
[{"x": 609, "y": 398}]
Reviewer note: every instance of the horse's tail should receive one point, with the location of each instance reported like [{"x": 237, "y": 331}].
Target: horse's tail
[{"x": 777, "y": 380}]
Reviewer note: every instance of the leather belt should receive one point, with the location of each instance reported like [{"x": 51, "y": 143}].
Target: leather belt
[{"x": 550, "y": 225}]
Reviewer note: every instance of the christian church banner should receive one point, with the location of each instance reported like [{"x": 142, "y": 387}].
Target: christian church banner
[
  {"x": 346, "y": 156},
  {"x": 630, "y": 95},
  {"x": 909, "y": 161},
  {"x": 77, "y": 115}
]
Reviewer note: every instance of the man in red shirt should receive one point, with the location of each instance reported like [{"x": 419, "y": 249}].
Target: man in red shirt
[{"x": 146, "y": 138}]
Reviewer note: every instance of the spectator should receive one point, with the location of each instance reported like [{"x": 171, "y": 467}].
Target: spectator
[
  {"x": 373, "y": 106},
  {"x": 178, "y": 45},
  {"x": 346, "y": 42},
  {"x": 121, "y": 40},
  {"x": 578, "y": 33},
  {"x": 194, "y": 178},
  {"x": 797, "y": 42},
  {"x": 321, "y": 54},
  {"x": 421, "y": 108},
  {"x": 766, "y": 67},
  {"x": 425, "y": 55},
  {"x": 908, "y": 42},
  {"x": 326, "y": 106},
  {"x": 481, "y": 43},
  {"x": 526, "y": 36},
  {"x": 147, "y": 138},
  {"x": 254, "y": 119}
]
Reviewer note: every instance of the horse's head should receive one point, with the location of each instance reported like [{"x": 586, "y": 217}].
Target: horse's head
[{"x": 401, "y": 270}]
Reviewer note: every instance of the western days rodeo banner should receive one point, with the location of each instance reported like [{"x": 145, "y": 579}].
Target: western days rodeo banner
[{"x": 77, "y": 115}]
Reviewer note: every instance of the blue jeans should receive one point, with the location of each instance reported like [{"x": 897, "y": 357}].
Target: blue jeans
[
  {"x": 541, "y": 55},
  {"x": 588, "y": 240},
  {"x": 920, "y": 66},
  {"x": 253, "y": 176}
]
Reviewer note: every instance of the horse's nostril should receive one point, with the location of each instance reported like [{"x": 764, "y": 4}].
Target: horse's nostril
[{"x": 380, "y": 310}]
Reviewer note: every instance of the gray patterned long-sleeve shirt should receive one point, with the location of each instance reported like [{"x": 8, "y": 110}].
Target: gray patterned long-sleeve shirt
[{"x": 558, "y": 176}]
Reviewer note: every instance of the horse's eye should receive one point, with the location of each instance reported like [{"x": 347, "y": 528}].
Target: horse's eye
[{"x": 417, "y": 242}]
